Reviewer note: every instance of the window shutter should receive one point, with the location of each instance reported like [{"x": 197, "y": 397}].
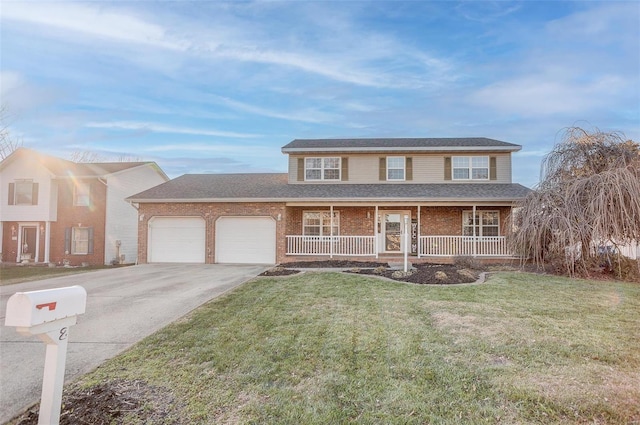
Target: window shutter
[
  {"x": 67, "y": 240},
  {"x": 300, "y": 169},
  {"x": 447, "y": 168},
  {"x": 12, "y": 190},
  {"x": 90, "y": 240},
  {"x": 344, "y": 162},
  {"x": 493, "y": 169},
  {"x": 383, "y": 169},
  {"x": 34, "y": 194},
  {"x": 409, "y": 168}
]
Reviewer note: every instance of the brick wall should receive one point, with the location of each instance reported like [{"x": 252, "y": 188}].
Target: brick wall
[
  {"x": 210, "y": 212},
  {"x": 70, "y": 216}
]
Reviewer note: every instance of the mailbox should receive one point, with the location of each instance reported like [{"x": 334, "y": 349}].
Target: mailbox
[
  {"x": 41, "y": 311},
  {"x": 48, "y": 314}
]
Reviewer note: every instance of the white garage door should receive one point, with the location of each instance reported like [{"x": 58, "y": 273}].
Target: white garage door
[
  {"x": 176, "y": 240},
  {"x": 246, "y": 240}
]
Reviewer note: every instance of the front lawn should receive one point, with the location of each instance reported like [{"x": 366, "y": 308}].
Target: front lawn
[
  {"x": 330, "y": 348},
  {"x": 17, "y": 273}
]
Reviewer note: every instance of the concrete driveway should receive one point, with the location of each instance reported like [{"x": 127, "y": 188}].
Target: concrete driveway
[{"x": 124, "y": 305}]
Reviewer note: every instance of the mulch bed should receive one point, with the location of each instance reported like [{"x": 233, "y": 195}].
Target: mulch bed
[{"x": 440, "y": 274}]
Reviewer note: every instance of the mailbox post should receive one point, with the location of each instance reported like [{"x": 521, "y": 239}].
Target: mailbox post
[{"x": 48, "y": 314}]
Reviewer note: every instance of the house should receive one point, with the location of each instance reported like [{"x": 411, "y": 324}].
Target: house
[
  {"x": 341, "y": 198},
  {"x": 58, "y": 211}
]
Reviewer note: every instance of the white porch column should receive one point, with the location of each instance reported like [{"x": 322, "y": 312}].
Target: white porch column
[
  {"x": 418, "y": 233},
  {"x": 47, "y": 241},
  {"x": 375, "y": 231},
  {"x": 473, "y": 212},
  {"x": 331, "y": 232}
]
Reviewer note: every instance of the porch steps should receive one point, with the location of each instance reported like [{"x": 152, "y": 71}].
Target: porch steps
[{"x": 400, "y": 266}]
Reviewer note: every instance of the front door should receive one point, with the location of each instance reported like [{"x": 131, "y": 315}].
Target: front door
[
  {"x": 392, "y": 231},
  {"x": 29, "y": 239}
]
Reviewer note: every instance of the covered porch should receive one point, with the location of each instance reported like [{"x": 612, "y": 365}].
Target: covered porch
[{"x": 387, "y": 230}]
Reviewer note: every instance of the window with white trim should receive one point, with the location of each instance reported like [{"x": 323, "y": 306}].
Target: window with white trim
[
  {"x": 486, "y": 223},
  {"x": 395, "y": 168},
  {"x": 81, "y": 194},
  {"x": 318, "y": 223},
  {"x": 325, "y": 168},
  {"x": 470, "y": 167},
  {"x": 23, "y": 192},
  {"x": 80, "y": 240}
]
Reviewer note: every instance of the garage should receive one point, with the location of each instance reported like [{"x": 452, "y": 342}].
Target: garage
[
  {"x": 176, "y": 240},
  {"x": 249, "y": 240}
]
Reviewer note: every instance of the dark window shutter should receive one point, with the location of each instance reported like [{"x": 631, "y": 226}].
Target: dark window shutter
[
  {"x": 12, "y": 193},
  {"x": 67, "y": 240},
  {"x": 409, "y": 168},
  {"x": 34, "y": 194},
  {"x": 90, "y": 240},
  {"x": 300, "y": 169},
  {"x": 447, "y": 168},
  {"x": 383, "y": 169},
  {"x": 344, "y": 163},
  {"x": 493, "y": 168}
]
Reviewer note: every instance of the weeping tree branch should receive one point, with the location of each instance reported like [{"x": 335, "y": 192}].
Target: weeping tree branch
[{"x": 589, "y": 194}]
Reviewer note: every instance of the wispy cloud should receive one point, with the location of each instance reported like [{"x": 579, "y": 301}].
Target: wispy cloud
[
  {"x": 91, "y": 21},
  {"x": 161, "y": 128}
]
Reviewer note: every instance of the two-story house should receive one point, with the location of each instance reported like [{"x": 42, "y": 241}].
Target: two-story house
[
  {"x": 58, "y": 211},
  {"x": 341, "y": 198}
]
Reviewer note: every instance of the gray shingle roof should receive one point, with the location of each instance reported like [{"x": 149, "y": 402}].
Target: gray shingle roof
[
  {"x": 399, "y": 144},
  {"x": 63, "y": 168},
  {"x": 275, "y": 187}
]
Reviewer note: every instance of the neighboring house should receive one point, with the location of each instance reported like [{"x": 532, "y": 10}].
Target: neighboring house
[
  {"x": 57, "y": 211},
  {"x": 365, "y": 198}
]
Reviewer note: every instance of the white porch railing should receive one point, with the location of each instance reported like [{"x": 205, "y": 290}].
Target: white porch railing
[
  {"x": 448, "y": 246},
  {"x": 331, "y": 245}
]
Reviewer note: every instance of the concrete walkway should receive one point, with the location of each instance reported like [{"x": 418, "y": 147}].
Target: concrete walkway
[{"x": 124, "y": 305}]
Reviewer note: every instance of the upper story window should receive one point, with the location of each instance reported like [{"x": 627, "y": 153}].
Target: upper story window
[
  {"x": 470, "y": 167},
  {"x": 318, "y": 223},
  {"x": 486, "y": 223},
  {"x": 23, "y": 192},
  {"x": 395, "y": 168},
  {"x": 81, "y": 194},
  {"x": 322, "y": 168}
]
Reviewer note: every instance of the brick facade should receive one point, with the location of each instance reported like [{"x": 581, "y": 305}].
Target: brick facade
[{"x": 358, "y": 221}]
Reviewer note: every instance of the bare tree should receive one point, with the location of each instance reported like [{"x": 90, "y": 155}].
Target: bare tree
[
  {"x": 589, "y": 195},
  {"x": 8, "y": 144},
  {"x": 90, "y": 156}
]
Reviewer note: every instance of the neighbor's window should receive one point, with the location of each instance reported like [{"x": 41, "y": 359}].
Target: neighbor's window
[
  {"x": 81, "y": 194},
  {"x": 322, "y": 168},
  {"x": 470, "y": 167},
  {"x": 80, "y": 240},
  {"x": 486, "y": 223},
  {"x": 395, "y": 167},
  {"x": 23, "y": 192},
  {"x": 318, "y": 223}
]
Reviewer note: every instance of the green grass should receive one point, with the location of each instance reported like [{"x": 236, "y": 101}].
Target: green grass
[
  {"x": 12, "y": 274},
  {"x": 324, "y": 348}
]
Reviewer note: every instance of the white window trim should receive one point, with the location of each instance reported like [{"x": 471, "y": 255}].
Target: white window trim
[
  {"x": 480, "y": 226},
  {"x": 470, "y": 167},
  {"x": 15, "y": 191},
  {"x": 322, "y": 225},
  {"x": 322, "y": 168},
  {"x": 78, "y": 185},
  {"x": 74, "y": 250},
  {"x": 404, "y": 169}
]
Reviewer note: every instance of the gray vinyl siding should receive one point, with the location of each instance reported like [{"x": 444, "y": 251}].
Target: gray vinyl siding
[{"x": 427, "y": 168}]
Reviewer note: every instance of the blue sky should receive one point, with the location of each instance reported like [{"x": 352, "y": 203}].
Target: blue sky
[{"x": 220, "y": 87}]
